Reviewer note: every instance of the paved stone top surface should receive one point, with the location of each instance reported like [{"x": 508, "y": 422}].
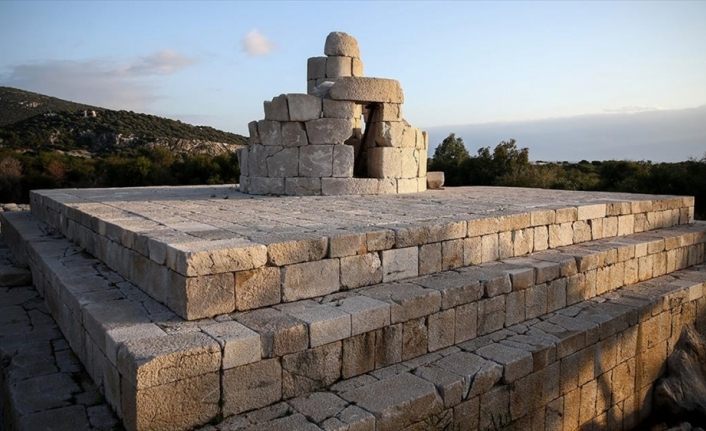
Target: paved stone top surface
[{"x": 221, "y": 212}]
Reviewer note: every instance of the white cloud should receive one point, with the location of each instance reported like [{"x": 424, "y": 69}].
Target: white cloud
[
  {"x": 128, "y": 85},
  {"x": 163, "y": 62},
  {"x": 256, "y": 44}
]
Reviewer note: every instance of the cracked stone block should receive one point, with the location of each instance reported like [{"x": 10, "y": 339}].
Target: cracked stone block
[
  {"x": 283, "y": 162},
  {"x": 388, "y": 345},
  {"x": 311, "y": 369},
  {"x": 316, "y": 161},
  {"x": 270, "y": 133},
  {"x": 400, "y": 263},
  {"x": 303, "y": 107},
  {"x": 516, "y": 363},
  {"x": 407, "y": 301},
  {"x": 479, "y": 375},
  {"x": 257, "y": 288},
  {"x": 329, "y": 131},
  {"x": 251, "y": 386},
  {"x": 297, "y": 279},
  {"x": 491, "y": 314},
  {"x": 397, "y": 401},
  {"x": 240, "y": 344}
]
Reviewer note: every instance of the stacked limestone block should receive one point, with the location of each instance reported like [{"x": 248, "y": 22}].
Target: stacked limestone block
[{"x": 316, "y": 143}]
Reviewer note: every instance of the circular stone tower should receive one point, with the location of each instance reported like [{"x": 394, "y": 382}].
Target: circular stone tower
[{"x": 345, "y": 136}]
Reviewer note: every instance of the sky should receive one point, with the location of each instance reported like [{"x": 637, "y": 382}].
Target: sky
[{"x": 459, "y": 63}]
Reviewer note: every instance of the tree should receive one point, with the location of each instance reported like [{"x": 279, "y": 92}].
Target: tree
[
  {"x": 448, "y": 157},
  {"x": 452, "y": 151}
]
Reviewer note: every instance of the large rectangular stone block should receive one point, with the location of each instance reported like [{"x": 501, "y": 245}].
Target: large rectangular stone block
[
  {"x": 251, "y": 386},
  {"x": 400, "y": 263},
  {"x": 395, "y": 134},
  {"x": 310, "y": 279},
  {"x": 266, "y": 186},
  {"x": 316, "y": 68},
  {"x": 257, "y": 288},
  {"x": 277, "y": 110},
  {"x": 316, "y": 161},
  {"x": 338, "y": 66},
  {"x": 359, "y": 89},
  {"x": 329, "y": 130},
  {"x": 283, "y": 162},
  {"x": 303, "y": 107},
  {"x": 302, "y": 186},
  {"x": 292, "y": 134},
  {"x": 363, "y": 270},
  {"x": 341, "y": 109},
  {"x": 385, "y": 162}
]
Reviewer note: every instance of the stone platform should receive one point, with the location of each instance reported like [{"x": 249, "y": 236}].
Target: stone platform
[
  {"x": 461, "y": 303},
  {"x": 204, "y": 251}
]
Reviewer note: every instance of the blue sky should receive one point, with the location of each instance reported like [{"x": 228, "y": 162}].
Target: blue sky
[{"x": 458, "y": 62}]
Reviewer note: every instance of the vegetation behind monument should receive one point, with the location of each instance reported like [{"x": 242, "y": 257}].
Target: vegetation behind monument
[{"x": 508, "y": 165}]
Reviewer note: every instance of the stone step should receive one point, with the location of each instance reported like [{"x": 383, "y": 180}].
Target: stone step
[
  {"x": 150, "y": 363},
  {"x": 590, "y": 365},
  {"x": 205, "y": 251}
]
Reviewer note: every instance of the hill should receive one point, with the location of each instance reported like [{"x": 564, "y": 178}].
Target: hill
[{"x": 34, "y": 122}]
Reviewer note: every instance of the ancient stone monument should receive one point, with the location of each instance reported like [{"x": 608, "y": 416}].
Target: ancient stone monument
[
  {"x": 467, "y": 308},
  {"x": 346, "y": 136}
]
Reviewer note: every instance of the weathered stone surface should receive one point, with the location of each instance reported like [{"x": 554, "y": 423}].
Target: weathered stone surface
[
  {"x": 297, "y": 279},
  {"x": 327, "y": 323},
  {"x": 266, "y": 186},
  {"x": 385, "y": 162},
  {"x": 329, "y": 131},
  {"x": 340, "y": 43},
  {"x": 359, "y": 89},
  {"x": 338, "y": 66},
  {"x": 303, "y": 107},
  {"x": 479, "y": 375},
  {"x": 363, "y": 270},
  {"x": 160, "y": 360},
  {"x": 251, "y": 386},
  {"x": 302, "y": 186},
  {"x": 292, "y": 135},
  {"x": 181, "y": 404},
  {"x": 407, "y": 301},
  {"x": 316, "y": 68},
  {"x": 341, "y": 109},
  {"x": 398, "y": 401},
  {"x": 516, "y": 363},
  {"x": 316, "y": 161},
  {"x": 240, "y": 344},
  {"x": 294, "y": 251},
  {"x": 279, "y": 333},
  {"x": 442, "y": 329},
  {"x": 400, "y": 263},
  {"x": 311, "y": 369},
  {"x": 343, "y": 159},
  {"x": 277, "y": 110},
  {"x": 283, "y": 162},
  {"x": 367, "y": 314}
]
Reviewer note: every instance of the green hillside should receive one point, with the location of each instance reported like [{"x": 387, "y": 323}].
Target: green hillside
[{"x": 30, "y": 121}]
